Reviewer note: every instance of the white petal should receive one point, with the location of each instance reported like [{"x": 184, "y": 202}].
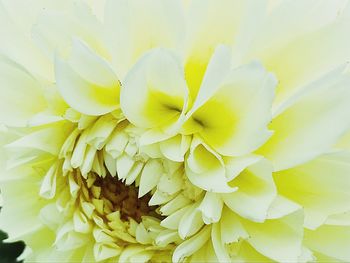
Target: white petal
[
  {"x": 48, "y": 139},
  {"x": 211, "y": 207},
  {"x": 256, "y": 191},
  {"x": 83, "y": 91},
  {"x": 154, "y": 93},
  {"x": 234, "y": 116},
  {"x": 281, "y": 207},
  {"x": 312, "y": 121},
  {"x": 134, "y": 27},
  {"x": 175, "y": 148},
  {"x": 210, "y": 23},
  {"x": 320, "y": 186},
  {"x": 56, "y": 27},
  {"x": 231, "y": 228},
  {"x": 191, "y": 245},
  {"x": 150, "y": 175},
  {"x": 294, "y": 38},
  {"x": 174, "y": 205},
  {"x": 279, "y": 239},
  {"x": 105, "y": 251},
  {"x": 332, "y": 241},
  {"x": 18, "y": 45},
  {"x": 172, "y": 221},
  {"x": 21, "y": 95},
  {"x": 205, "y": 169},
  {"x": 218, "y": 244},
  {"x": 190, "y": 222}
]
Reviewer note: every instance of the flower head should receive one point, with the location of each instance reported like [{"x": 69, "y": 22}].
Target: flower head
[{"x": 164, "y": 131}]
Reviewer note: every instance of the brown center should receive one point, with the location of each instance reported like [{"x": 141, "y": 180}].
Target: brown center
[{"x": 124, "y": 198}]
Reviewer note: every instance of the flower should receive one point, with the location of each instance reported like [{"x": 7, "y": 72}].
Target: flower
[{"x": 171, "y": 130}]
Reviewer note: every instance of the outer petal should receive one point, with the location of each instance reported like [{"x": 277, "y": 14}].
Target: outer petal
[
  {"x": 154, "y": 93},
  {"x": 320, "y": 186},
  {"x": 55, "y": 28},
  {"x": 312, "y": 121},
  {"x": 247, "y": 253},
  {"x": 21, "y": 95},
  {"x": 295, "y": 40},
  {"x": 134, "y": 27},
  {"x": 86, "y": 82},
  {"x": 256, "y": 191},
  {"x": 18, "y": 46},
  {"x": 278, "y": 239},
  {"x": 232, "y": 116},
  {"x": 331, "y": 241},
  {"x": 210, "y": 23},
  {"x": 21, "y": 200}
]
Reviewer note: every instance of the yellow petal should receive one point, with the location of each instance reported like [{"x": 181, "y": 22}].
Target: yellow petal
[
  {"x": 296, "y": 35},
  {"x": 278, "y": 239},
  {"x": 134, "y": 27},
  {"x": 232, "y": 116},
  {"x": 331, "y": 241},
  {"x": 209, "y": 23},
  {"x": 86, "y": 82},
  {"x": 154, "y": 93},
  {"x": 21, "y": 94},
  {"x": 319, "y": 186},
  {"x": 205, "y": 169},
  {"x": 256, "y": 191},
  {"x": 321, "y": 106}
]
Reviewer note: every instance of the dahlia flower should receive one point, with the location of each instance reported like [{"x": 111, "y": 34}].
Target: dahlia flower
[{"x": 176, "y": 131}]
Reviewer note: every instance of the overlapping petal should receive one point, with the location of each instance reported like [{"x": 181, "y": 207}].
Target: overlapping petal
[
  {"x": 87, "y": 82},
  {"x": 321, "y": 106},
  {"x": 161, "y": 92},
  {"x": 233, "y": 107}
]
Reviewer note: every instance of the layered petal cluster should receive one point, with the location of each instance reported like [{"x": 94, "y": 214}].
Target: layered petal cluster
[{"x": 176, "y": 131}]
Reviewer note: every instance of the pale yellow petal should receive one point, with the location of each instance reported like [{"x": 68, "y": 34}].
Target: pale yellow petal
[
  {"x": 86, "y": 82},
  {"x": 154, "y": 93},
  {"x": 320, "y": 186}
]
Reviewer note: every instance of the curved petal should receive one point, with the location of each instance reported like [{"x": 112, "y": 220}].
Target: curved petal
[
  {"x": 278, "y": 239},
  {"x": 218, "y": 244},
  {"x": 175, "y": 148},
  {"x": 295, "y": 40},
  {"x": 232, "y": 229},
  {"x": 21, "y": 95},
  {"x": 190, "y": 222},
  {"x": 20, "y": 191},
  {"x": 211, "y": 207},
  {"x": 205, "y": 169},
  {"x": 18, "y": 45},
  {"x": 256, "y": 191},
  {"x": 331, "y": 241},
  {"x": 86, "y": 82},
  {"x": 247, "y": 253},
  {"x": 154, "y": 93},
  {"x": 134, "y": 27},
  {"x": 209, "y": 23},
  {"x": 321, "y": 106},
  {"x": 232, "y": 116},
  {"x": 320, "y": 186},
  {"x": 191, "y": 245},
  {"x": 55, "y": 28}
]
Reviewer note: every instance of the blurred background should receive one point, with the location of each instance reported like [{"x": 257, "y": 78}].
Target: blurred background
[{"x": 9, "y": 251}]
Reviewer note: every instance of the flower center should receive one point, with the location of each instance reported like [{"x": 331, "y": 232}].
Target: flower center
[
  {"x": 116, "y": 196},
  {"x": 124, "y": 198}
]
